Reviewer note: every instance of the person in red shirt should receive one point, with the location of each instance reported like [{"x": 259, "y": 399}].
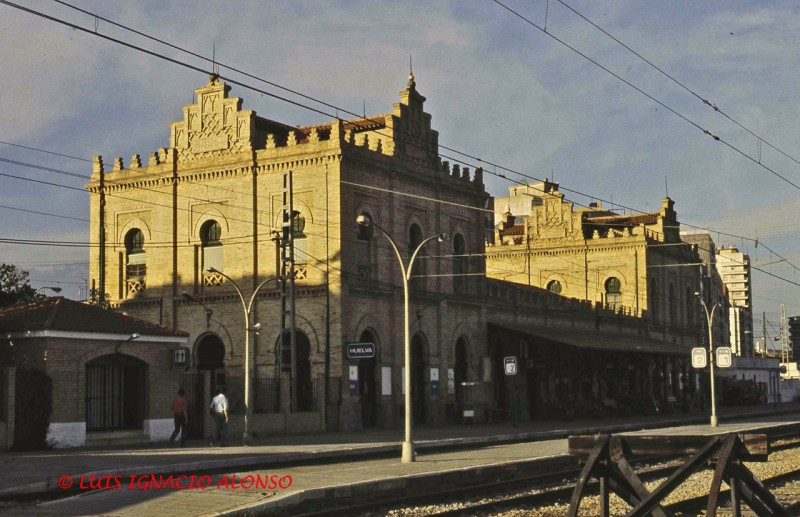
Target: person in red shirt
[{"x": 180, "y": 409}]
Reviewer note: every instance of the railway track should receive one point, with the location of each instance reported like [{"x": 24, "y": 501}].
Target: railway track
[{"x": 553, "y": 492}]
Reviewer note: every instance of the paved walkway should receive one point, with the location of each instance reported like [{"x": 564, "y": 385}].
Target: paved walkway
[{"x": 353, "y": 466}]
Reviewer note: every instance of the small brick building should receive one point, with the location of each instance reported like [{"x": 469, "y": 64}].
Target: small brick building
[{"x": 112, "y": 374}]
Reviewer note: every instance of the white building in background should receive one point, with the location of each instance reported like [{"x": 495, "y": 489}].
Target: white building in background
[{"x": 734, "y": 268}]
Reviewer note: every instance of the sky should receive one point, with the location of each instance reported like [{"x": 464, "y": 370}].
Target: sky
[{"x": 568, "y": 103}]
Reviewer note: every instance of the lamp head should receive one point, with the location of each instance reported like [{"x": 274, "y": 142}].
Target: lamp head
[
  {"x": 133, "y": 336},
  {"x": 363, "y": 220},
  {"x": 256, "y": 327},
  {"x": 212, "y": 270},
  {"x": 441, "y": 237},
  {"x": 697, "y": 293},
  {"x": 56, "y": 289}
]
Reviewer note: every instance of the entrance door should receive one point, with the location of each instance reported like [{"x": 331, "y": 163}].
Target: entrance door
[
  {"x": 211, "y": 358},
  {"x": 115, "y": 393},
  {"x": 418, "y": 380},
  {"x": 367, "y": 391}
]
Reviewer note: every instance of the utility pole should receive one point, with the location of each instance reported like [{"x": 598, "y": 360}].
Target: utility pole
[
  {"x": 764, "y": 333},
  {"x": 786, "y": 352},
  {"x": 287, "y": 291}
]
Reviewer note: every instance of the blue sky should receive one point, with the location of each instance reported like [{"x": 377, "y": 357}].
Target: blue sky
[{"x": 497, "y": 88}]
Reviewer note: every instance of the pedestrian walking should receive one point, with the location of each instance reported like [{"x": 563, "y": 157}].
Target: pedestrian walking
[
  {"x": 219, "y": 408},
  {"x": 180, "y": 408}
]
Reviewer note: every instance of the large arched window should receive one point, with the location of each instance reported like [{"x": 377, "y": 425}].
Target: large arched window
[
  {"x": 210, "y": 236},
  {"x": 673, "y": 306},
  {"x": 460, "y": 264},
  {"x": 364, "y": 265},
  {"x": 653, "y": 297},
  {"x": 135, "y": 261},
  {"x": 418, "y": 269},
  {"x": 613, "y": 293}
]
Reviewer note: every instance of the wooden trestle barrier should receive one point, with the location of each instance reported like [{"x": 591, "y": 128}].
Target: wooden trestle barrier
[{"x": 607, "y": 458}]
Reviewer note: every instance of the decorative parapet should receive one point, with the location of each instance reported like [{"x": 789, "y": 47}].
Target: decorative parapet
[
  {"x": 136, "y": 287},
  {"x": 213, "y": 279}
]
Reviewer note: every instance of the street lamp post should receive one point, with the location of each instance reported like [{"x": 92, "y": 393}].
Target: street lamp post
[
  {"x": 248, "y": 409},
  {"x": 710, "y": 321},
  {"x": 363, "y": 220}
]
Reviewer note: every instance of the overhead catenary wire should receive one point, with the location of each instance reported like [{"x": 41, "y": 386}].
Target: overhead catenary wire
[{"x": 456, "y": 151}]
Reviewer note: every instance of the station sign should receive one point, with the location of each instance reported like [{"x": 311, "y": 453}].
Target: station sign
[
  {"x": 360, "y": 350},
  {"x": 510, "y": 364},
  {"x": 724, "y": 357},
  {"x": 699, "y": 357}
]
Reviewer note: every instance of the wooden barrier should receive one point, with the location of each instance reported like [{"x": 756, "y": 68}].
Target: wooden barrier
[{"x": 606, "y": 457}]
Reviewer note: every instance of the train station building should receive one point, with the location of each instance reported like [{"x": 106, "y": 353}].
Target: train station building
[{"x": 173, "y": 235}]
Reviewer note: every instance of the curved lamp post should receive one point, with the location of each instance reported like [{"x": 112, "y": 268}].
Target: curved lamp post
[
  {"x": 363, "y": 220},
  {"x": 248, "y": 409},
  {"x": 710, "y": 321}
]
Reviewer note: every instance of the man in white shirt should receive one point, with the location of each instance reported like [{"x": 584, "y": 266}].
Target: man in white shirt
[{"x": 219, "y": 408}]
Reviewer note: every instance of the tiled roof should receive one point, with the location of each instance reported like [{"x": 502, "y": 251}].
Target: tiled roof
[
  {"x": 68, "y": 315},
  {"x": 371, "y": 122},
  {"x": 633, "y": 219},
  {"x": 517, "y": 229}
]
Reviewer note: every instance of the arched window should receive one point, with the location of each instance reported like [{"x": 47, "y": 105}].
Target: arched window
[
  {"x": 418, "y": 269},
  {"x": 135, "y": 261},
  {"x": 554, "y": 286},
  {"x": 460, "y": 264},
  {"x": 673, "y": 306},
  {"x": 613, "y": 293},
  {"x": 689, "y": 307},
  {"x": 210, "y": 236},
  {"x": 300, "y": 241},
  {"x": 364, "y": 265},
  {"x": 653, "y": 297}
]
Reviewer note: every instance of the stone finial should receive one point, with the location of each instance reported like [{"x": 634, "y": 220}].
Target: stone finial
[
  {"x": 478, "y": 177},
  {"x": 136, "y": 161},
  {"x": 153, "y": 159},
  {"x": 313, "y": 136},
  {"x": 456, "y": 170},
  {"x": 97, "y": 164},
  {"x": 292, "y": 140},
  {"x": 270, "y": 141},
  {"x": 336, "y": 130},
  {"x": 465, "y": 173},
  {"x": 118, "y": 165},
  {"x": 596, "y": 235},
  {"x": 348, "y": 136}
]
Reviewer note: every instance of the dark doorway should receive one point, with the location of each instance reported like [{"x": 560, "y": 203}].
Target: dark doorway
[
  {"x": 115, "y": 393},
  {"x": 211, "y": 357},
  {"x": 210, "y": 352},
  {"x": 366, "y": 385},
  {"x": 418, "y": 380},
  {"x": 305, "y": 385}
]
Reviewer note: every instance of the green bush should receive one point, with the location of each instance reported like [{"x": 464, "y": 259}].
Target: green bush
[{"x": 34, "y": 405}]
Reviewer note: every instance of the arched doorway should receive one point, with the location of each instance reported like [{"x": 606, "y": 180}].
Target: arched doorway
[
  {"x": 210, "y": 354},
  {"x": 367, "y": 392},
  {"x": 418, "y": 380},
  {"x": 305, "y": 385},
  {"x": 460, "y": 371},
  {"x": 115, "y": 393}
]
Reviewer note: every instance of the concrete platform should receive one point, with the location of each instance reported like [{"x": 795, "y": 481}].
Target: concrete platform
[{"x": 356, "y": 465}]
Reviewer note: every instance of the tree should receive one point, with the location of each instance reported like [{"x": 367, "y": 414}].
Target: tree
[{"x": 14, "y": 285}]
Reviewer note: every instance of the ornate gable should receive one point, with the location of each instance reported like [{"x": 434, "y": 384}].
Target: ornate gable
[
  {"x": 554, "y": 219},
  {"x": 413, "y": 135},
  {"x": 216, "y": 126}
]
